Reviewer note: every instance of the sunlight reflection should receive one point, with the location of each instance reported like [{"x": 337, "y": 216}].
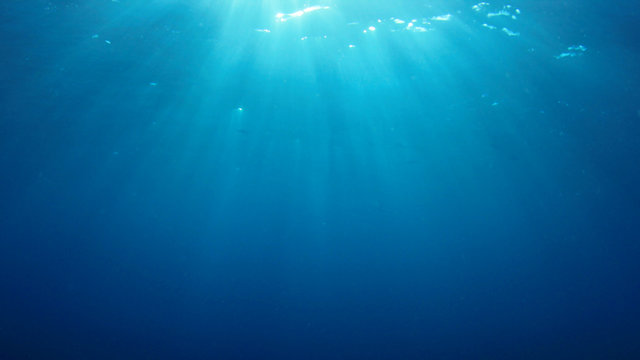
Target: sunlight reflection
[{"x": 285, "y": 17}]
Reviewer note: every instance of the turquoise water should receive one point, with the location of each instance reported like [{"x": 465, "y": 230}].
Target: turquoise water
[{"x": 319, "y": 180}]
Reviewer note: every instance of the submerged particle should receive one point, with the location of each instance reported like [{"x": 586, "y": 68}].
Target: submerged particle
[
  {"x": 108, "y": 42},
  {"x": 153, "y": 84}
]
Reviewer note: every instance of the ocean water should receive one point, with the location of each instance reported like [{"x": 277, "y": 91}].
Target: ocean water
[{"x": 257, "y": 179}]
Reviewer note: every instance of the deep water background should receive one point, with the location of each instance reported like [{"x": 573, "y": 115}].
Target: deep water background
[{"x": 177, "y": 182}]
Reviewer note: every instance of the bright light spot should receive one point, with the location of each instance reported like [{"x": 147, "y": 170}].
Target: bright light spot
[
  {"x": 372, "y": 28},
  {"x": 499, "y": 13},
  {"x": 577, "y": 48},
  {"x": 480, "y": 6},
  {"x": 446, "y": 17},
  {"x": 284, "y": 17},
  {"x": 572, "y": 51},
  {"x": 314, "y": 8},
  {"x": 509, "y": 32}
]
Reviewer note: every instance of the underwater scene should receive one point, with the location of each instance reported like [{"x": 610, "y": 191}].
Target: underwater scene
[{"x": 332, "y": 179}]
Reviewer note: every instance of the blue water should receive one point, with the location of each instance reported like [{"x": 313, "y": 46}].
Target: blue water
[{"x": 244, "y": 179}]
